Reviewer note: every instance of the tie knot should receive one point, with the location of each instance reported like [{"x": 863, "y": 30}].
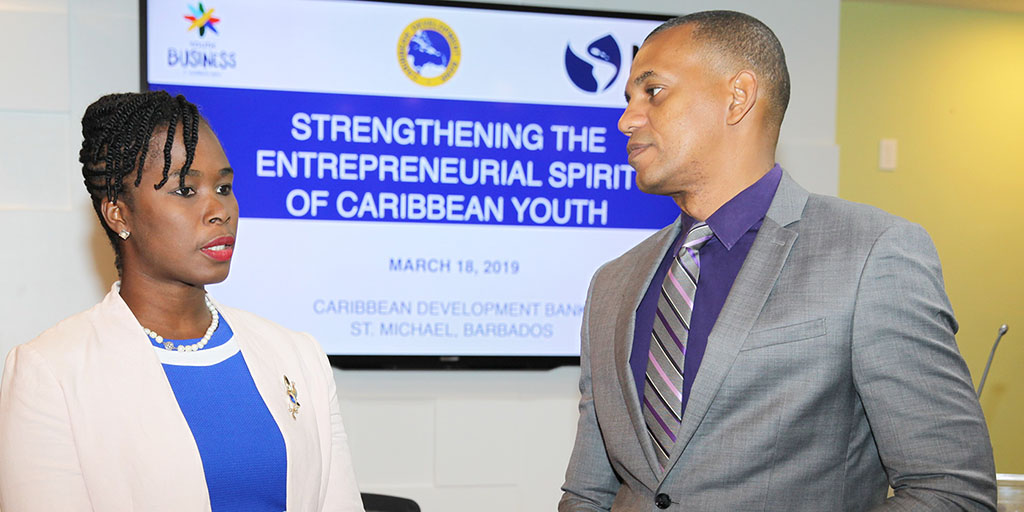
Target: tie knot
[{"x": 699, "y": 235}]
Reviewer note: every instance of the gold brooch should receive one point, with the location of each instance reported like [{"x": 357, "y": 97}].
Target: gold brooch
[{"x": 289, "y": 388}]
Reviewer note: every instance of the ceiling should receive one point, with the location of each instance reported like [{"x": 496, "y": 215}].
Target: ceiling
[{"x": 991, "y": 5}]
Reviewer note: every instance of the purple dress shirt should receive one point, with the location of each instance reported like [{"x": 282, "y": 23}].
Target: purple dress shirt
[{"x": 735, "y": 225}]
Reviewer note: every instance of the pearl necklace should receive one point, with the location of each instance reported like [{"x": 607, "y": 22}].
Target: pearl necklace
[{"x": 195, "y": 346}]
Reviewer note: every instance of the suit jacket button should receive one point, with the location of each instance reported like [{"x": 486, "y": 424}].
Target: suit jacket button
[{"x": 662, "y": 500}]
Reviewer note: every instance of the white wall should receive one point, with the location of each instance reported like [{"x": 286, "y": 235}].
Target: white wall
[{"x": 454, "y": 441}]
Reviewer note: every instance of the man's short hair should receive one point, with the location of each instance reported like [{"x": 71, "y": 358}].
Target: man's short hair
[{"x": 741, "y": 38}]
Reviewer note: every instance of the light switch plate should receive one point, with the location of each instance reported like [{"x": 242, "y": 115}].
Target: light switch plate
[{"x": 887, "y": 154}]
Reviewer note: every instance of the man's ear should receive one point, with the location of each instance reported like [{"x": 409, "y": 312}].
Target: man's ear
[
  {"x": 743, "y": 89},
  {"x": 114, "y": 216}
]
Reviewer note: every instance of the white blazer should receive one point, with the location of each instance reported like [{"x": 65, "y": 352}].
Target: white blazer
[{"x": 88, "y": 420}]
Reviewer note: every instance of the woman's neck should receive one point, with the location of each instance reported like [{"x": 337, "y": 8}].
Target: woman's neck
[{"x": 174, "y": 310}]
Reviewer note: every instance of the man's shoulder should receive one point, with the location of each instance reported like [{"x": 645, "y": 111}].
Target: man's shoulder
[{"x": 834, "y": 215}]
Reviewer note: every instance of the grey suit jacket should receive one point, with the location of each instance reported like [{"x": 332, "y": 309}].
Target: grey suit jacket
[{"x": 831, "y": 372}]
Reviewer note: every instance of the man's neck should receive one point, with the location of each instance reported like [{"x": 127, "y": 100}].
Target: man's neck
[{"x": 705, "y": 199}]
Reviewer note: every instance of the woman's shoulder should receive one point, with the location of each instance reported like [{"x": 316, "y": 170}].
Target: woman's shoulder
[
  {"x": 268, "y": 343},
  {"x": 260, "y": 328},
  {"x": 109, "y": 318},
  {"x": 255, "y": 321},
  {"x": 61, "y": 348},
  {"x": 66, "y": 335}
]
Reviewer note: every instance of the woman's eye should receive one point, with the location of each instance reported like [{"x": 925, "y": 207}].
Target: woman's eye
[
  {"x": 224, "y": 190},
  {"x": 185, "y": 192}
]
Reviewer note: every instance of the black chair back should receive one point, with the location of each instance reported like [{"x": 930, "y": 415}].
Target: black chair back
[{"x": 384, "y": 503}]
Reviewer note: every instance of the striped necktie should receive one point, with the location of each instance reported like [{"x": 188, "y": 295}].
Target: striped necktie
[{"x": 663, "y": 381}]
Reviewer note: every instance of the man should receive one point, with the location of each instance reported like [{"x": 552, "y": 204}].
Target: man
[{"x": 772, "y": 349}]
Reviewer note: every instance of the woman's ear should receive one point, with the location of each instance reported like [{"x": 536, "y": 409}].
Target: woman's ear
[{"x": 115, "y": 218}]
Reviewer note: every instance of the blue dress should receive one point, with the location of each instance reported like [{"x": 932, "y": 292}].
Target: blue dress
[{"x": 240, "y": 444}]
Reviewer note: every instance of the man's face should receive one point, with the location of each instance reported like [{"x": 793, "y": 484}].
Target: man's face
[{"x": 675, "y": 113}]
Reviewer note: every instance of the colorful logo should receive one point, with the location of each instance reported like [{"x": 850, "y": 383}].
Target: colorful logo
[
  {"x": 429, "y": 52},
  {"x": 597, "y": 69},
  {"x": 202, "y": 19}
]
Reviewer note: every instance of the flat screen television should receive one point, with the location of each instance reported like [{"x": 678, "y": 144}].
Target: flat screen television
[{"x": 420, "y": 185}]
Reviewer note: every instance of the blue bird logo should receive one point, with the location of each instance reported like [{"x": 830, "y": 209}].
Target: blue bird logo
[{"x": 293, "y": 395}]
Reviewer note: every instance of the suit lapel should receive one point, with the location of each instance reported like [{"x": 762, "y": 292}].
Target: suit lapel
[
  {"x": 746, "y": 299},
  {"x": 144, "y": 416},
  {"x": 634, "y": 286}
]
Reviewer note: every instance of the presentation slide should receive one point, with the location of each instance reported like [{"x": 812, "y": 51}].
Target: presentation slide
[{"x": 413, "y": 179}]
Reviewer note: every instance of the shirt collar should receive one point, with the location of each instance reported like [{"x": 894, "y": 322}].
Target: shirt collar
[{"x": 744, "y": 211}]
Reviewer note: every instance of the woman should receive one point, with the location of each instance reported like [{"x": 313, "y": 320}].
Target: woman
[{"x": 160, "y": 398}]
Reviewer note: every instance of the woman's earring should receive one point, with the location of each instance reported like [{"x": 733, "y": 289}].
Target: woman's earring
[{"x": 124, "y": 234}]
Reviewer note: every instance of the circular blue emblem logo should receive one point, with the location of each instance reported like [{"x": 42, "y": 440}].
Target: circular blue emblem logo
[
  {"x": 596, "y": 70},
  {"x": 429, "y": 52}
]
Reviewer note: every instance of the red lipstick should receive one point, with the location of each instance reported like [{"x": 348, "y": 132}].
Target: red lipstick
[{"x": 220, "y": 248}]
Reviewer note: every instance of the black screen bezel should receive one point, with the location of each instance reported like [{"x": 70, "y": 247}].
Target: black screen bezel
[{"x": 449, "y": 361}]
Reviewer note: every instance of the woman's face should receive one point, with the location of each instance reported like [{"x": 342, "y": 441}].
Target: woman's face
[{"x": 182, "y": 235}]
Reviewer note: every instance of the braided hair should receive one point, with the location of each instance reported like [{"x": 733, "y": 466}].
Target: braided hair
[{"x": 117, "y": 130}]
